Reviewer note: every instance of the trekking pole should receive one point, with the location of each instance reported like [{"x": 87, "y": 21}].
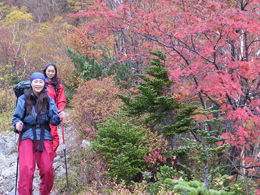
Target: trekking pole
[
  {"x": 17, "y": 163},
  {"x": 64, "y": 149}
]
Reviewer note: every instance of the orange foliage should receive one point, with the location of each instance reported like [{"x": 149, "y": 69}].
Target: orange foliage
[
  {"x": 80, "y": 42},
  {"x": 85, "y": 43},
  {"x": 95, "y": 101}
]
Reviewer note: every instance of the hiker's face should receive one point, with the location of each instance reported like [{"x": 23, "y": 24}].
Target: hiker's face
[
  {"x": 37, "y": 86},
  {"x": 50, "y": 72}
]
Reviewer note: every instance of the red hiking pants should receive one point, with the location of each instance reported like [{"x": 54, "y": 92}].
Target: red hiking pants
[
  {"x": 27, "y": 161},
  {"x": 55, "y": 139}
]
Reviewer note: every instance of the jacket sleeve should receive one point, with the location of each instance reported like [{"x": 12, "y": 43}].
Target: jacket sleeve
[
  {"x": 54, "y": 119},
  {"x": 61, "y": 100},
  {"x": 19, "y": 112}
]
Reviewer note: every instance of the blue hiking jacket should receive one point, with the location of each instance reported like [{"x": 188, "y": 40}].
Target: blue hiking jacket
[{"x": 52, "y": 118}]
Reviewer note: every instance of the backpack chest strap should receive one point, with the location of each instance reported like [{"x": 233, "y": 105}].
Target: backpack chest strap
[{"x": 34, "y": 127}]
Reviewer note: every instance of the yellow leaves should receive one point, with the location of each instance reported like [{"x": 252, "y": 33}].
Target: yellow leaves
[
  {"x": 17, "y": 17},
  {"x": 66, "y": 26},
  {"x": 218, "y": 182},
  {"x": 92, "y": 102},
  {"x": 110, "y": 42},
  {"x": 58, "y": 19},
  {"x": 24, "y": 9},
  {"x": 4, "y": 8},
  {"x": 75, "y": 5},
  {"x": 61, "y": 23},
  {"x": 45, "y": 27},
  {"x": 99, "y": 92}
]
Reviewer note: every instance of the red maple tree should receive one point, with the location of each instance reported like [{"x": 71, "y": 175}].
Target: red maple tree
[{"x": 212, "y": 50}]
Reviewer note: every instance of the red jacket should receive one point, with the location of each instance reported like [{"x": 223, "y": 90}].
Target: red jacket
[{"x": 61, "y": 99}]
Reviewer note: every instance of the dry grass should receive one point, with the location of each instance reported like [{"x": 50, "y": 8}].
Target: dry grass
[{"x": 7, "y": 106}]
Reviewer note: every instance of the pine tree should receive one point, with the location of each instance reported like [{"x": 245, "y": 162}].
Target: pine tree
[
  {"x": 78, "y": 61},
  {"x": 91, "y": 69},
  {"x": 122, "y": 145},
  {"x": 201, "y": 155},
  {"x": 86, "y": 67},
  {"x": 153, "y": 100}
]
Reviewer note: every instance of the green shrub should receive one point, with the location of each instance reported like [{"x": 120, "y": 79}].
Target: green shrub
[
  {"x": 171, "y": 180},
  {"x": 88, "y": 68},
  {"x": 123, "y": 146}
]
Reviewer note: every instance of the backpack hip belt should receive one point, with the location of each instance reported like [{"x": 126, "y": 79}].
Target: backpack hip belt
[{"x": 34, "y": 127}]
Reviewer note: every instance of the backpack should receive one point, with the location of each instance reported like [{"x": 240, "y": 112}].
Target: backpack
[{"x": 21, "y": 87}]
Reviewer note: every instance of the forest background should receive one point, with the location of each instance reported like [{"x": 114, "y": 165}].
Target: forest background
[{"x": 166, "y": 91}]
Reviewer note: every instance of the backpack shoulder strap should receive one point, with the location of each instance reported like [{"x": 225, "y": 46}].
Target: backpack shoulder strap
[
  {"x": 55, "y": 87},
  {"x": 24, "y": 114}
]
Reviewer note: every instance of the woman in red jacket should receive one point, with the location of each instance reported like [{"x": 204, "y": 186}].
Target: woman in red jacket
[{"x": 56, "y": 91}]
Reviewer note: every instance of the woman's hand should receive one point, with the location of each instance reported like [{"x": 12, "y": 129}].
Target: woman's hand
[
  {"x": 19, "y": 126},
  {"x": 61, "y": 114}
]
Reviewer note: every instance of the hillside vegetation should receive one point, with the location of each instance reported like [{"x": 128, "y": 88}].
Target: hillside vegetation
[{"x": 166, "y": 92}]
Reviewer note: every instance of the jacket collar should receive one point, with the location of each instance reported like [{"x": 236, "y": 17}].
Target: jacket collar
[{"x": 50, "y": 82}]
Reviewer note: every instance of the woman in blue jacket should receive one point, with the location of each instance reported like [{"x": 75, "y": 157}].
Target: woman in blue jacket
[{"x": 33, "y": 113}]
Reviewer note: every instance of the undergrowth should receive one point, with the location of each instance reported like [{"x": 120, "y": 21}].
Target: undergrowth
[{"x": 7, "y": 106}]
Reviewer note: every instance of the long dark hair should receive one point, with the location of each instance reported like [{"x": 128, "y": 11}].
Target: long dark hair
[
  {"x": 55, "y": 79},
  {"x": 41, "y": 103}
]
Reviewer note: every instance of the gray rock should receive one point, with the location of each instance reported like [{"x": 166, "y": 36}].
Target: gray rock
[
  {"x": 85, "y": 144},
  {"x": 9, "y": 172}
]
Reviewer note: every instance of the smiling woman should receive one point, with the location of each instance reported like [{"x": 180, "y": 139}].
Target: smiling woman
[
  {"x": 37, "y": 86},
  {"x": 50, "y": 72},
  {"x": 56, "y": 91},
  {"x": 34, "y": 112}
]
